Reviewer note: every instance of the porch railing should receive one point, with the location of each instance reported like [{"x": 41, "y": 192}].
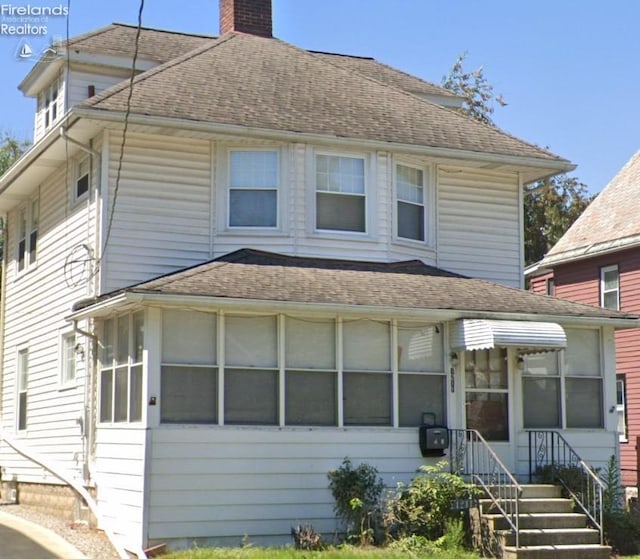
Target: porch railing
[
  {"x": 471, "y": 456},
  {"x": 550, "y": 455}
]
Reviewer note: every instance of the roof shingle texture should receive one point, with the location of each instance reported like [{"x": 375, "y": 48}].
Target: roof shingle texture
[
  {"x": 257, "y": 275},
  {"x": 264, "y": 83},
  {"x": 613, "y": 214}
]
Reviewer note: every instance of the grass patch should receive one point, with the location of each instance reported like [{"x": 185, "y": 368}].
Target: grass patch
[{"x": 342, "y": 552}]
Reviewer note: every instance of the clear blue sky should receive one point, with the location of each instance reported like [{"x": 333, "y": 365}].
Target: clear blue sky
[{"x": 569, "y": 70}]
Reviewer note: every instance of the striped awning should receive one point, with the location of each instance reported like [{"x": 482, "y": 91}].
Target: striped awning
[{"x": 468, "y": 334}]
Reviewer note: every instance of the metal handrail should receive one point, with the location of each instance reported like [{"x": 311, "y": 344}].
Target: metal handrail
[
  {"x": 472, "y": 456},
  {"x": 551, "y": 449}
]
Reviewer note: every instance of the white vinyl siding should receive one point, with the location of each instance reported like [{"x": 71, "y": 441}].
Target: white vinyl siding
[
  {"x": 35, "y": 306},
  {"x": 479, "y": 234},
  {"x": 162, "y": 219},
  {"x": 80, "y": 80}
]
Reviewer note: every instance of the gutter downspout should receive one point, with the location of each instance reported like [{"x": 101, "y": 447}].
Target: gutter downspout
[
  {"x": 66, "y": 137},
  {"x": 63, "y": 475}
]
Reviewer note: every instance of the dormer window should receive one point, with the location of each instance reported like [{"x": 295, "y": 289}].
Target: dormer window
[{"x": 48, "y": 104}]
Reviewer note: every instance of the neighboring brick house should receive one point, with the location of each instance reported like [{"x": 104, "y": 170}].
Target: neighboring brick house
[
  {"x": 290, "y": 257},
  {"x": 597, "y": 261}
]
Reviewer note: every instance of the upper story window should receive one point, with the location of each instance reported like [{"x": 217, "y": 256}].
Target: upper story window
[
  {"x": 610, "y": 287},
  {"x": 28, "y": 222},
  {"x": 551, "y": 287},
  {"x": 410, "y": 203},
  {"x": 48, "y": 104},
  {"x": 253, "y": 188},
  {"x": 340, "y": 193},
  {"x": 81, "y": 179}
]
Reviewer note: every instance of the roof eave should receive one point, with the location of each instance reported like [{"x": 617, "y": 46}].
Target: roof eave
[
  {"x": 132, "y": 298},
  {"x": 591, "y": 251},
  {"x": 540, "y": 168}
]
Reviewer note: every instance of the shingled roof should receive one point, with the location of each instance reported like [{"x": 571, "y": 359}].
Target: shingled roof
[
  {"x": 279, "y": 87},
  {"x": 262, "y": 276},
  {"x": 609, "y": 222},
  {"x": 118, "y": 39}
]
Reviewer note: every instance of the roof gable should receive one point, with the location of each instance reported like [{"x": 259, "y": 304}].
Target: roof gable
[{"x": 609, "y": 222}]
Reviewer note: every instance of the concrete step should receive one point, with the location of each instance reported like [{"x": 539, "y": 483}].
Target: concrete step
[
  {"x": 529, "y": 505},
  {"x": 542, "y": 520},
  {"x": 531, "y": 490},
  {"x": 557, "y": 552},
  {"x": 550, "y": 536}
]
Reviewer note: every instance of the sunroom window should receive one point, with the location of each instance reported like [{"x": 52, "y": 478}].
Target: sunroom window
[
  {"x": 122, "y": 344},
  {"x": 340, "y": 193}
]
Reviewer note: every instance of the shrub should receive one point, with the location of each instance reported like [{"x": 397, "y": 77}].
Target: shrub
[
  {"x": 613, "y": 496},
  {"x": 622, "y": 532},
  {"x": 426, "y": 505},
  {"x": 306, "y": 538},
  {"x": 357, "y": 492}
]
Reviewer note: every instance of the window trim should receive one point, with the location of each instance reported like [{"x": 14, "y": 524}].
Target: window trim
[
  {"x": 428, "y": 204},
  {"x": 50, "y": 112},
  {"x": 604, "y": 291},
  {"x": 622, "y": 407},
  {"x": 277, "y": 188},
  {"x": 63, "y": 381},
  {"x": 20, "y": 389},
  {"x": 367, "y": 195},
  {"x": 75, "y": 197},
  {"x": 26, "y": 257}
]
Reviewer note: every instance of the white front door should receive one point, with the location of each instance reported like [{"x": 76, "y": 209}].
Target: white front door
[{"x": 488, "y": 400}]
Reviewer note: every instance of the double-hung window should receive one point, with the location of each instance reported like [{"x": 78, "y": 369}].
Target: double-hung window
[
  {"x": 610, "y": 287},
  {"x": 68, "y": 359},
  {"x": 253, "y": 188},
  {"x": 121, "y": 369},
  {"x": 48, "y": 102},
  {"x": 22, "y": 371},
  {"x": 340, "y": 193},
  {"x": 410, "y": 203},
  {"x": 82, "y": 179},
  {"x": 27, "y": 234}
]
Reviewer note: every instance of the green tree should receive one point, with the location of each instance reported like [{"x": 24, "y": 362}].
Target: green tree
[
  {"x": 10, "y": 151},
  {"x": 550, "y": 205},
  {"x": 550, "y": 208}
]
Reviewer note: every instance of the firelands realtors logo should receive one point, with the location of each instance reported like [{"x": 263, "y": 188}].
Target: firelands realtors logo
[{"x": 28, "y": 24}]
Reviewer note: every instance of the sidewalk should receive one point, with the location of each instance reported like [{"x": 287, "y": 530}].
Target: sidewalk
[{"x": 24, "y": 539}]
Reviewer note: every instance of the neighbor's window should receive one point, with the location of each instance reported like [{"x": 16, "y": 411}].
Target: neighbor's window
[
  {"x": 68, "y": 359},
  {"x": 82, "y": 179},
  {"x": 253, "y": 188},
  {"x": 122, "y": 346},
  {"x": 610, "y": 287},
  {"x": 410, "y": 209},
  {"x": 27, "y": 234},
  {"x": 551, "y": 287},
  {"x": 340, "y": 193},
  {"x": 621, "y": 407},
  {"x": 22, "y": 371}
]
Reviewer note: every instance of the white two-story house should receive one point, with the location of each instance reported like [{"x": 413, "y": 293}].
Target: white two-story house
[{"x": 250, "y": 261}]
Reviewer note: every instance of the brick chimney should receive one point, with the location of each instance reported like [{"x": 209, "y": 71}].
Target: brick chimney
[{"x": 246, "y": 16}]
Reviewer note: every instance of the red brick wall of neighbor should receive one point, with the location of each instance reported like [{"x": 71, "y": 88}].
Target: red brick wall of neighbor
[
  {"x": 580, "y": 281},
  {"x": 246, "y": 16}
]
